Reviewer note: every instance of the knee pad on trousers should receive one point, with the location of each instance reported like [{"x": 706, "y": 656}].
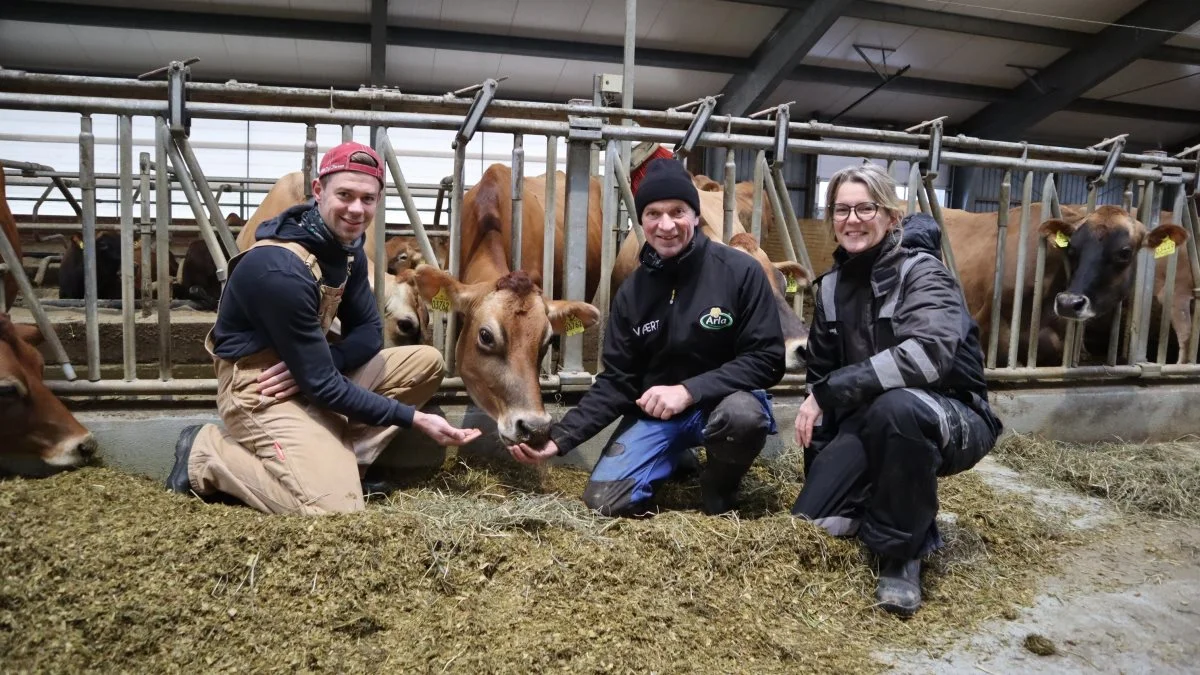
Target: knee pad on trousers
[
  {"x": 736, "y": 430},
  {"x": 613, "y": 498}
]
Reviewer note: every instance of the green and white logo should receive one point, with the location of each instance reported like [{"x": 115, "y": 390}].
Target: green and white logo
[{"x": 716, "y": 319}]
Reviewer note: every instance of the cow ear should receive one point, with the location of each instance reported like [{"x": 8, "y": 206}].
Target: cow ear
[
  {"x": 406, "y": 276},
  {"x": 794, "y": 270},
  {"x": 1163, "y": 232},
  {"x": 705, "y": 184},
  {"x": 1054, "y": 229},
  {"x": 30, "y": 334},
  {"x": 443, "y": 292},
  {"x": 536, "y": 277},
  {"x": 570, "y": 316}
]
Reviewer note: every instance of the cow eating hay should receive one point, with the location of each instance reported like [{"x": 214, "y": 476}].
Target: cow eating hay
[{"x": 478, "y": 571}]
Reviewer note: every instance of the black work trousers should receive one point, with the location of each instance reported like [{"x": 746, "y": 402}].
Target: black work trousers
[{"x": 877, "y": 476}]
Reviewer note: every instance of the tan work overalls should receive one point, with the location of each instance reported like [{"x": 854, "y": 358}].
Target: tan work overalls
[{"x": 291, "y": 456}]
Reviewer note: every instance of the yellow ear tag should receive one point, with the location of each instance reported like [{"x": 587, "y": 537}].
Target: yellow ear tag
[
  {"x": 1061, "y": 240},
  {"x": 441, "y": 301},
  {"x": 80, "y": 243},
  {"x": 1166, "y": 248},
  {"x": 574, "y": 325},
  {"x": 793, "y": 284}
]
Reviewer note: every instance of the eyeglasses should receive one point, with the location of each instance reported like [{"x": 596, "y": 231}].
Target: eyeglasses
[{"x": 864, "y": 210}]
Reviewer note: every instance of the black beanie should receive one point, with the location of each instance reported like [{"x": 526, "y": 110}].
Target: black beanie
[{"x": 666, "y": 179}]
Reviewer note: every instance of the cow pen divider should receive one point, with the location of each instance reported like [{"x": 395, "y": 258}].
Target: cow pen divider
[{"x": 582, "y": 126}]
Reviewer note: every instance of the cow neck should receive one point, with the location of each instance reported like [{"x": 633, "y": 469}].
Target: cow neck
[
  {"x": 680, "y": 266},
  {"x": 486, "y": 259}
]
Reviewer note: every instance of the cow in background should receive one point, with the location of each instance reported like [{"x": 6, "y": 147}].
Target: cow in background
[{"x": 38, "y": 435}]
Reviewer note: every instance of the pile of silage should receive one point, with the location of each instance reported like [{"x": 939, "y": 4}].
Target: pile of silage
[
  {"x": 478, "y": 570},
  {"x": 1161, "y": 479}
]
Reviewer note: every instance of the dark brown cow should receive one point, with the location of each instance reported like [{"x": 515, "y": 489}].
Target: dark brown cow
[
  {"x": 8, "y": 229},
  {"x": 38, "y": 435},
  {"x": 506, "y": 324},
  {"x": 108, "y": 267},
  {"x": 1101, "y": 253}
]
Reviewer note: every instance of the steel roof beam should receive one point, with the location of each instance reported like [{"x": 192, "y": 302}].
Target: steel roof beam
[
  {"x": 779, "y": 54},
  {"x": 1078, "y": 71}
]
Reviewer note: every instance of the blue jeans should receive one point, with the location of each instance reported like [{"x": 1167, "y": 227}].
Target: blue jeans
[{"x": 643, "y": 452}]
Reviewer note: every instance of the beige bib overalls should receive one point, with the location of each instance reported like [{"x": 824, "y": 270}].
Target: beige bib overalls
[{"x": 291, "y": 456}]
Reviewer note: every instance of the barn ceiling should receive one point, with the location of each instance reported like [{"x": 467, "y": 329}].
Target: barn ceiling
[{"x": 1040, "y": 70}]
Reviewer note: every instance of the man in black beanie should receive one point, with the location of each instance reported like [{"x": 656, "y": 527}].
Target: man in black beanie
[{"x": 693, "y": 340}]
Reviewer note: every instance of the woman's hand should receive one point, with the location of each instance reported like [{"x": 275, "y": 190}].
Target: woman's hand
[{"x": 806, "y": 419}]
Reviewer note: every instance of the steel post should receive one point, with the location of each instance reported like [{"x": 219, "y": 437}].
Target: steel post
[
  {"x": 455, "y": 261},
  {"x": 575, "y": 247},
  {"x": 388, "y": 153},
  {"x": 1018, "y": 287},
  {"x": 206, "y": 230},
  {"x": 129, "y": 332},
  {"x": 517, "y": 233},
  {"x": 549, "y": 230},
  {"x": 162, "y": 236},
  {"x": 998, "y": 281},
  {"x": 144, "y": 232},
  {"x": 376, "y": 235},
  {"x": 87, "y": 184},
  {"x": 729, "y": 201},
  {"x": 756, "y": 213},
  {"x": 307, "y": 168},
  {"x": 789, "y": 218}
]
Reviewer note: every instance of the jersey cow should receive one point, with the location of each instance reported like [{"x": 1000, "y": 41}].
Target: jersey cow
[
  {"x": 1100, "y": 253},
  {"x": 38, "y": 435},
  {"x": 712, "y": 219},
  {"x": 506, "y": 324}
]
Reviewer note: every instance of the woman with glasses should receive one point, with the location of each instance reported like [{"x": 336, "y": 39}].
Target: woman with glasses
[{"x": 895, "y": 380}]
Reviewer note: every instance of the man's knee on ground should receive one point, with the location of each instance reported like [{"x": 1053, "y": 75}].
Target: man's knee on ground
[
  {"x": 737, "y": 428},
  {"x": 613, "y": 497}
]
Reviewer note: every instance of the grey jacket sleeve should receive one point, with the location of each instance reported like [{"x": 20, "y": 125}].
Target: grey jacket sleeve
[{"x": 929, "y": 327}]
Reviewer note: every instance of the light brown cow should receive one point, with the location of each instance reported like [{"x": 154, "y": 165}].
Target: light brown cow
[
  {"x": 1102, "y": 253},
  {"x": 506, "y": 324},
  {"x": 712, "y": 219},
  {"x": 8, "y": 228},
  {"x": 38, "y": 435},
  {"x": 404, "y": 253}
]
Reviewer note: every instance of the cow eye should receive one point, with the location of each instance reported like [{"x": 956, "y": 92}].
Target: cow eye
[
  {"x": 486, "y": 338},
  {"x": 1123, "y": 255}
]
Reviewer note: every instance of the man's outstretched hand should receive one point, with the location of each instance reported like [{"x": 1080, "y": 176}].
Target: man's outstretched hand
[
  {"x": 527, "y": 454},
  {"x": 441, "y": 431}
]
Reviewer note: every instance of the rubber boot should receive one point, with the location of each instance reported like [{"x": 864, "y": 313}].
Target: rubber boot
[
  {"x": 899, "y": 589},
  {"x": 177, "y": 480}
]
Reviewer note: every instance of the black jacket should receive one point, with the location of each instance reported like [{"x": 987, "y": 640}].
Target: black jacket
[
  {"x": 705, "y": 319},
  {"x": 893, "y": 317},
  {"x": 271, "y": 301}
]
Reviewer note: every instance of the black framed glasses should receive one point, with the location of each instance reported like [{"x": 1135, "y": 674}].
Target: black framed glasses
[{"x": 864, "y": 210}]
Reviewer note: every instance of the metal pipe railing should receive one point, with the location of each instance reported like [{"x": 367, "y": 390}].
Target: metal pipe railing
[
  {"x": 87, "y": 164},
  {"x": 129, "y": 328},
  {"x": 998, "y": 282}
]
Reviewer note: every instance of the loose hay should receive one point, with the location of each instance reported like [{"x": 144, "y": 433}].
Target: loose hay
[
  {"x": 478, "y": 570},
  {"x": 1162, "y": 479}
]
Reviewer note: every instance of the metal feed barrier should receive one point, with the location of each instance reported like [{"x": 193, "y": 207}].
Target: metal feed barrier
[{"x": 584, "y": 127}]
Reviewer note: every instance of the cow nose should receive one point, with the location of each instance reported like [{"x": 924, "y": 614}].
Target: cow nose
[
  {"x": 87, "y": 447},
  {"x": 795, "y": 353},
  {"x": 533, "y": 430},
  {"x": 1071, "y": 305}
]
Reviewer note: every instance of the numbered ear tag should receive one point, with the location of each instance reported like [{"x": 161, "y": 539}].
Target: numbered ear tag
[
  {"x": 1061, "y": 240},
  {"x": 1166, "y": 248},
  {"x": 574, "y": 325},
  {"x": 793, "y": 284},
  {"x": 441, "y": 301}
]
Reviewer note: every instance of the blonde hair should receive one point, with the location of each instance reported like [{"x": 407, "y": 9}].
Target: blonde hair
[{"x": 880, "y": 186}]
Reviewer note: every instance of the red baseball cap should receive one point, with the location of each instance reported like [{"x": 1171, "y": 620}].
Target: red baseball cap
[{"x": 338, "y": 159}]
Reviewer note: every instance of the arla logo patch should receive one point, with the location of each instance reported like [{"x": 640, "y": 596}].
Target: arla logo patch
[{"x": 716, "y": 319}]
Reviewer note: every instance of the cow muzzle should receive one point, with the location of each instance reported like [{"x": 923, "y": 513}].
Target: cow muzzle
[
  {"x": 530, "y": 428},
  {"x": 74, "y": 452},
  {"x": 795, "y": 353},
  {"x": 1073, "y": 307}
]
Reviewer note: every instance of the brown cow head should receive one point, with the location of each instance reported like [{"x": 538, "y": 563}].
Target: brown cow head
[
  {"x": 38, "y": 435},
  {"x": 505, "y": 329},
  {"x": 1101, "y": 251},
  {"x": 405, "y": 317},
  {"x": 795, "y": 331}
]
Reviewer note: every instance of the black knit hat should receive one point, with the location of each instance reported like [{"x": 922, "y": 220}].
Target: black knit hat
[{"x": 666, "y": 179}]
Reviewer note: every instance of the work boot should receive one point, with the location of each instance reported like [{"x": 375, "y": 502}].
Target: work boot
[
  {"x": 378, "y": 487},
  {"x": 719, "y": 486},
  {"x": 177, "y": 480},
  {"x": 899, "y": 589}
]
